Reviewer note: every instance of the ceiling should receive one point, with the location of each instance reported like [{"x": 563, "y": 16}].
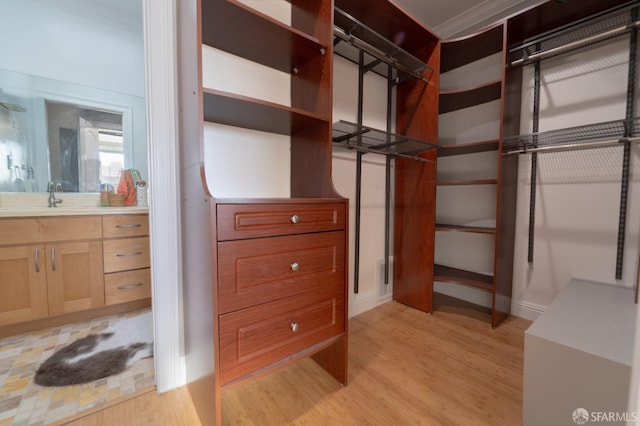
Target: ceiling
[
  {"x": 452, "y": 18},
  {"x": 445, "y": 18}
]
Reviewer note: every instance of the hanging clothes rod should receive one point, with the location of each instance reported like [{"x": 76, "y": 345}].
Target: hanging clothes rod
[
  {"x": 574, "y": 146},
  {"x": 378, "y": 54},
  {"x": 575, "y": 44}
]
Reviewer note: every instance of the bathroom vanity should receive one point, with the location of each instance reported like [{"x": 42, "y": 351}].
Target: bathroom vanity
[{"x": 60, "y": 261}]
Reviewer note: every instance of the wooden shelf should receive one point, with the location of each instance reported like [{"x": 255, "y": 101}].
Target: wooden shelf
[
  {"x": 460, "y": 276},
  {"x": 245, "y": 32},
  {"x": 460, "y": 99},
  {"x": 551, "y": 16},
  {"x": 445, "y": 182},
  {"x": 462, "y": 228},
  {"x": 390, "y": 22},
  {"x": 251, "y": 113},
  {"x": 458, "y": 52},
  {"x": 363, "y": 38},
  {"x": 367, "y": 139},
  {"x": 468, "y": 148}
]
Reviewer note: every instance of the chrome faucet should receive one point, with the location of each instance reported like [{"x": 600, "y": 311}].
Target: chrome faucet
[{"x": 53, "y": 187}]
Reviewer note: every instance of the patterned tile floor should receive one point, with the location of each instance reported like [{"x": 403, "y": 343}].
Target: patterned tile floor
[{"x": 22, "y": 402}]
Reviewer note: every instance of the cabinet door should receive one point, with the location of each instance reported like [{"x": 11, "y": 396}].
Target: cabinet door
[
  {"x": 23, "y": 285},
  {"x": 74, "y": 276}
]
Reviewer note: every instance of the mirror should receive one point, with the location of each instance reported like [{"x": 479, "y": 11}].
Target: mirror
[{"x": 72, "y": 106}]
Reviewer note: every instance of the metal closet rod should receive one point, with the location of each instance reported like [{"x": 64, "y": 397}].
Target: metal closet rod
[
  {"x": 574, "y": 146},
  {"x": 578, "y": 43},
  {"x": 376, "y": 53}
]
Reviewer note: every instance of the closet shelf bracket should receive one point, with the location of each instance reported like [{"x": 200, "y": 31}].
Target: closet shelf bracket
[
  {"x": 366, "y": 139},
  {"x": 588, "y": 31},
  {"x": 599, "y": 135},
  {"x": 354, "y": 33}
]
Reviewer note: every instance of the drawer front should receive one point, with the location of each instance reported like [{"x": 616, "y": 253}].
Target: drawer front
[
  {"x": 121, "y": 287},
  {"x": 49, "y": 229},
  {"x": 259, "y": 336},
  {"x": 261, "y": 270},
  {"x": 128, "y": 225},
  {"x": 125, "y": 254},
  {"x": 238, "y": 221}
]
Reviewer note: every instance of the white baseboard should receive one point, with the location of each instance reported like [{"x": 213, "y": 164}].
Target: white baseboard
[
  {"x": 362, "y": 302},
  {"x": 526, "y": 310},
  {"x": 519, "y": 308}
]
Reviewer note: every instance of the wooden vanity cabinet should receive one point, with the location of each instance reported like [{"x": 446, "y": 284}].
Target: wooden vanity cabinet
[
  {"x": 56, "y": 265},
  {"x": 49, "y": 266}
]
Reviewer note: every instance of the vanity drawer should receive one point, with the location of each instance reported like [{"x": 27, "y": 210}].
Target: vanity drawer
[
  {"x": 49, "y": 229},
  {"x": 265, "y": 269},
  {"x": 129, "y": 225},
  {"x": 120, "y": 287},
  {"x": 239, "y": 221},
  {"x": 125, "y": 254},
  {"x": 259, "y": 336}
]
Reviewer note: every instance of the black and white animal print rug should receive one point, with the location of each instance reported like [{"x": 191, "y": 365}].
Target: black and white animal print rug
[{"x": 99, "y": 355}]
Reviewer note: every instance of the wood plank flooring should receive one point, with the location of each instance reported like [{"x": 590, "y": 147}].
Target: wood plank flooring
[{"x": 405, "y": 368}]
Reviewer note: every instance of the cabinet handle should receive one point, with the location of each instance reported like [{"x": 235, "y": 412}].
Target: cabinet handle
[
  {"x": 129, "y": 225},
  {"x": 135, "y": 253},
  {"x": 294, "y": 326},
  {"x": 294, "y": 266},
  {"x": 129, "y": 286},
  {"x": 295, "y": 218},
  {"x": 36, "y": 256},
  {"x": 53, "y": 258}
]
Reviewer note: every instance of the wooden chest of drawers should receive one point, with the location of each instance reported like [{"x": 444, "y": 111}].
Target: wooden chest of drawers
[{"x": 281, "y": 290}]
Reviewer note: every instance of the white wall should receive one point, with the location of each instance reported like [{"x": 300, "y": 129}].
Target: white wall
[
  {"x": 101, "y": 55},
  {"x": 578, "y": 193}
]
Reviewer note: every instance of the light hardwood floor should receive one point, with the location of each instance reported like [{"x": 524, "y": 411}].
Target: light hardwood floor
[{"x": 405, "y": 368}]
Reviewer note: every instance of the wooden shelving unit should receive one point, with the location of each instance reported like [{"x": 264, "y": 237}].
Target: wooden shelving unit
[
  {"x": 416, "y": 118},
  {"x": 471, "y": 54},
  {"x": 453, "y": 100},
  {"x": 446, "y": 182},
  {"x": 266, "y": 317},
  {"x": 251, "y": 113},
  {"x": 462, "y": 277},
  {"x": 445, "y": 150},
  {"x": 465, "y": 228}
]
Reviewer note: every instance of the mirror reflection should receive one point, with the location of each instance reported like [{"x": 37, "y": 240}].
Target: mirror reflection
[{"x": 71, "y": 94}]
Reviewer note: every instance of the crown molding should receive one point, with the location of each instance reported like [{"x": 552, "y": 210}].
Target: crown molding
[{"x": 484, "y": 12}]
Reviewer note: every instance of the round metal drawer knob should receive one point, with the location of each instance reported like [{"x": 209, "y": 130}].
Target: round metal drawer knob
[
  {"x": 294, "y": 326},
  {"x": 294, "y": 266},
  {"x": 295, "y": 218}
]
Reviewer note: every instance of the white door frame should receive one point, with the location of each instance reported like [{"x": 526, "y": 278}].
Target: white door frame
[{"x": 164, "y": 191}]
